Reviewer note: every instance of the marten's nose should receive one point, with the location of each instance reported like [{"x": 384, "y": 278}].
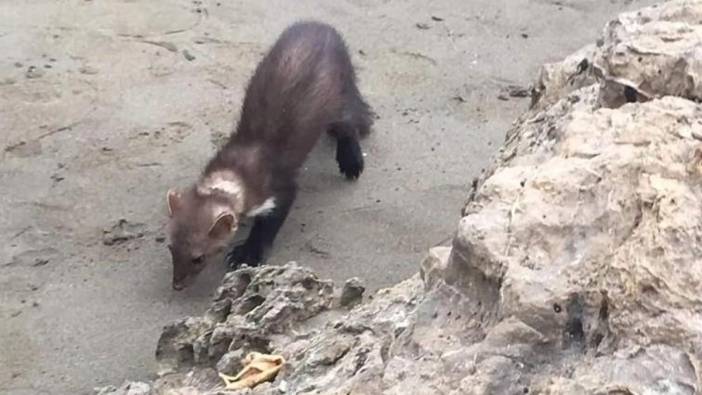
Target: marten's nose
[{"x": 178, "y": 286}]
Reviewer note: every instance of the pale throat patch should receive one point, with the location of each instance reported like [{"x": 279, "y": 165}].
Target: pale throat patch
[{"x": 264, "y": 209}]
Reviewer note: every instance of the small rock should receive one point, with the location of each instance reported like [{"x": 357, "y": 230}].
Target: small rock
[
  {"x": 330, "y": 350},
  {"x": 219, "y": 310},
  {"x": 40, "y": 262},
  {"x": 88, "y": 70},
  {"x": 188, "y": 56},
  {"x": 19, "y": 65},
  {"x": 231, "y": 362},
  {"x": 33, "y": 72},
  {"x": 121, "y": 232},
  {"x": 436, "y": 18},
  {"x": 517, "y": 91},
  {"x": 422, "y": 26},
  {"x": 352, "y": 292}
]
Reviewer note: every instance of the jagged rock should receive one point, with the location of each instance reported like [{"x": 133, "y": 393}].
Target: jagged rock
[
  {"x": 352, "y": 292},
  {"x": 576, "y": 267},
  {"x": 433, "y": 266},
  {"x": 250, "y": 307},
  {"x": 652, "y": 53},
  {"x": 230, "y": 363},
  {"x": 178, "y": 342},
  {"x": 121, "y": 232},
  {"x": 556, "y": 80}
]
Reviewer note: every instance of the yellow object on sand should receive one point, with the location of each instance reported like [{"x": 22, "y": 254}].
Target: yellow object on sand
[{"x": 258, "y": 368}]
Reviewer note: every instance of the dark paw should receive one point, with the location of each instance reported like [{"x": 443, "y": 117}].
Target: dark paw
[
  {"x": 350, "y": 158},
  {"x": 247, "y": 253}
]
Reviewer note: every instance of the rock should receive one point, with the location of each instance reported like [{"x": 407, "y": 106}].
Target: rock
[
  {"x": 88, "y": 70},
  {"x": 250, "y": 309},
  {"x": 121, "y": 232},
  {"x": 575, "y": 268},
  {"x": 517, "y": 91},
  {"x": 231, "y": 362},
  {"x": 556, "y": 80},
  {"x": 34, "y": 72},
  {"x": 434, "y": 265},
  {"x": 352, "y": 292},
  {"x": 188, "y": 56},
  {"x": 179, "y": 342},
  {"x": 655, "y": 52}
]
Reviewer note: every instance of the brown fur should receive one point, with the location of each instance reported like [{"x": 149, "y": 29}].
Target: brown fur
[{"x": 303, "y": 87}]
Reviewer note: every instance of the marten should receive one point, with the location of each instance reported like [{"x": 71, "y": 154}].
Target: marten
[{"x": 304, "y": 86}]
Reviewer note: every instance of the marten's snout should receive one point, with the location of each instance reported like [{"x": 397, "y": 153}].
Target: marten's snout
[
  {"x": 178, "y": 280},
  {"x": 181, "y": 271}
]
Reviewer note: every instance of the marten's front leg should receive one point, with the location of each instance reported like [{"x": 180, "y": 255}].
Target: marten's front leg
[{"x": 266, "y": 226}]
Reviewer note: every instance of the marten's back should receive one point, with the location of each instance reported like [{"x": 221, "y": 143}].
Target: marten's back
[{"x": 296, "y": 91}]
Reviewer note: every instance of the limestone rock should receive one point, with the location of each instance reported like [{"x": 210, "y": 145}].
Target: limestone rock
[
  {"x": 249, "y": 307},
  {"x": 231, "y": 362},
  {"x": 352, "y": 292},
  {"x": 652, "y": 53}
]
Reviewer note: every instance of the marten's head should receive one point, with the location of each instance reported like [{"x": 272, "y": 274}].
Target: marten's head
[{"x": 201, "y": 224}]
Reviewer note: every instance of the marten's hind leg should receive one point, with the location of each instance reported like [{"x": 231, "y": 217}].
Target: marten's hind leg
[
  {"x": 355, "y": 123},
  {"x": 349, "y": 155}
]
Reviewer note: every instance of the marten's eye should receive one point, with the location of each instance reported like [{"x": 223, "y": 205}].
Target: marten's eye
[{"x": 199, "y": 260}]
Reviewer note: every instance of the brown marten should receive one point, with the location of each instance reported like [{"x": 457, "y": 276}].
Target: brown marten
[{"x": 304, "y": 86}]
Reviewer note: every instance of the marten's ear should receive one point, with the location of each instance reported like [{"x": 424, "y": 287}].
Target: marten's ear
[
  {"x": 223, "y": 225},
  {"x": 173, "y": 200}
]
